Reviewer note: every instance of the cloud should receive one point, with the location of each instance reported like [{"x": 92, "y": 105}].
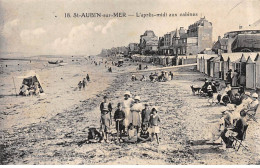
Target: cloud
[
  {"x": 32, "y": 37},
  {"x": 98, "y": 28},
  {"x": 83, "y": 39},
  {"x": 109, "y": 25},
  {"x": 11, "y": 27}
]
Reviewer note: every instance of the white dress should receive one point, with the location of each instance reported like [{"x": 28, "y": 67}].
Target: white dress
[
  {"x": 126, "y": 105},
  {"x": 136, "y": 111}
]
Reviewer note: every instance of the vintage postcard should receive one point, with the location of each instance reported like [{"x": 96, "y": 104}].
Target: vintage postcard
[{"x": 129, "y": 82}]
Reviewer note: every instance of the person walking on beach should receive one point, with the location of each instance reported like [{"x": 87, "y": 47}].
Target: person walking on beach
[
  {"x": 84, "y": 83},
  {"x": 88, "y": 79},
  {"x": 154, "y": 122},
  {"x": 80, "y": 85},
  {"x": 106, "y": 109},
  {"x": 136, "y": 111},
  {"x": 171, "y": 75},
  {"x": 126, "y": 105},
  {"x": 119, "y": 117}
]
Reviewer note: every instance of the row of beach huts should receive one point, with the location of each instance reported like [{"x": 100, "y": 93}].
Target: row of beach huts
[
  {"x": 246, "y": 64},
  {"x": 165, "y": 60}
]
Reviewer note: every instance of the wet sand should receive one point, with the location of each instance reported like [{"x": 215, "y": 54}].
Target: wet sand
[{"x": 184, "y": 118}]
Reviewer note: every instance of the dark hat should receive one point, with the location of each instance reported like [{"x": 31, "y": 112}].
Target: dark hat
[
  {"x": 242, "y": 113},
  {"x": 105, "y": 97}
]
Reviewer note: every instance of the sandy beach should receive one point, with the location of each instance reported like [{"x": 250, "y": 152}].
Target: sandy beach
[
  {"x": 59, "y": 84},
  {"x": 52, "y": 129}
]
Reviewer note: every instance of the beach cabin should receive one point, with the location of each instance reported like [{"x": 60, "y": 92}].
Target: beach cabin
[
  {"x": 234, "y": 62},
  {"x": 257, "y": 64},
  {"x": 229, "y": 61},
  {"x": 225, "y": 59},
  {"x": 244, "y": 72},
  {"x": 250, "y": 73},
  {"x": 147, "y": 59},
  {"x": 157, "y": 60},
  {"x": 206, "y": 62},
  {"x": 169, "y": 60},
  {"x": 215, "y": 67},
  {"x": 163, "y": 60}
]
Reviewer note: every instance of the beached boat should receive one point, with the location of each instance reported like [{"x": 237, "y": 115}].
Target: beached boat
[{"x": 53, "y": 62}]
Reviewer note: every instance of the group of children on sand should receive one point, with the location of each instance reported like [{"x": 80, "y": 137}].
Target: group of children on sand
[{"x": 133, "y": 122}]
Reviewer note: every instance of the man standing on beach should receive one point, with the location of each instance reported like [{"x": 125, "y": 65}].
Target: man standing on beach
[{"x": 106, "y": 109}]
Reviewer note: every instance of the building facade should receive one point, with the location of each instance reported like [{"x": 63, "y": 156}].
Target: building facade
[
  {"x": 148, "y": 43},
  {"x": 133, "y": 48},
  {"x": 195, "y": 40},
  {"x": 238, "y": 41}
]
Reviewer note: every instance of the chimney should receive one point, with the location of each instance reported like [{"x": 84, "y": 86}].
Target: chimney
[
  {"x": 240, "y": 27},
  {"x": 219, "y": 38}
]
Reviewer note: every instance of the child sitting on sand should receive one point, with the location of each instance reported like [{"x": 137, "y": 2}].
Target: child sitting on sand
[
  {"x": 144, "y": 135},
  {"x": 132, "y": 134},
  {"x": 154, "y": 122}
]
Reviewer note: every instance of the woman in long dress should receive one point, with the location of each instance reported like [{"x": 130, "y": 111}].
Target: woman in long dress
[
  {"x": 136, "y": 111},
  {"x": 126, "y": 105}
]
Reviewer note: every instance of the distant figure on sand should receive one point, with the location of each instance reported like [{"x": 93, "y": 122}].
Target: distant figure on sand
[
  {"x": 84, "y": 82},
  {"x": 80, "y": 85},
  {"x": 171, "y": 75},
  {"x": 88, "y": 79},
  {"x": 143, "y": 78},
  {"x": 133, "y": 78},
  {"x": 106, "y": 109}
]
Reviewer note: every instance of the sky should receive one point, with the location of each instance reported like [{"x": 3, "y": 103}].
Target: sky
[{"x": 39, "y": 27}]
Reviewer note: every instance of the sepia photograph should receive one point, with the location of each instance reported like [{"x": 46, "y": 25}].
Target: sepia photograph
[{"x": 129, "y": 82}]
